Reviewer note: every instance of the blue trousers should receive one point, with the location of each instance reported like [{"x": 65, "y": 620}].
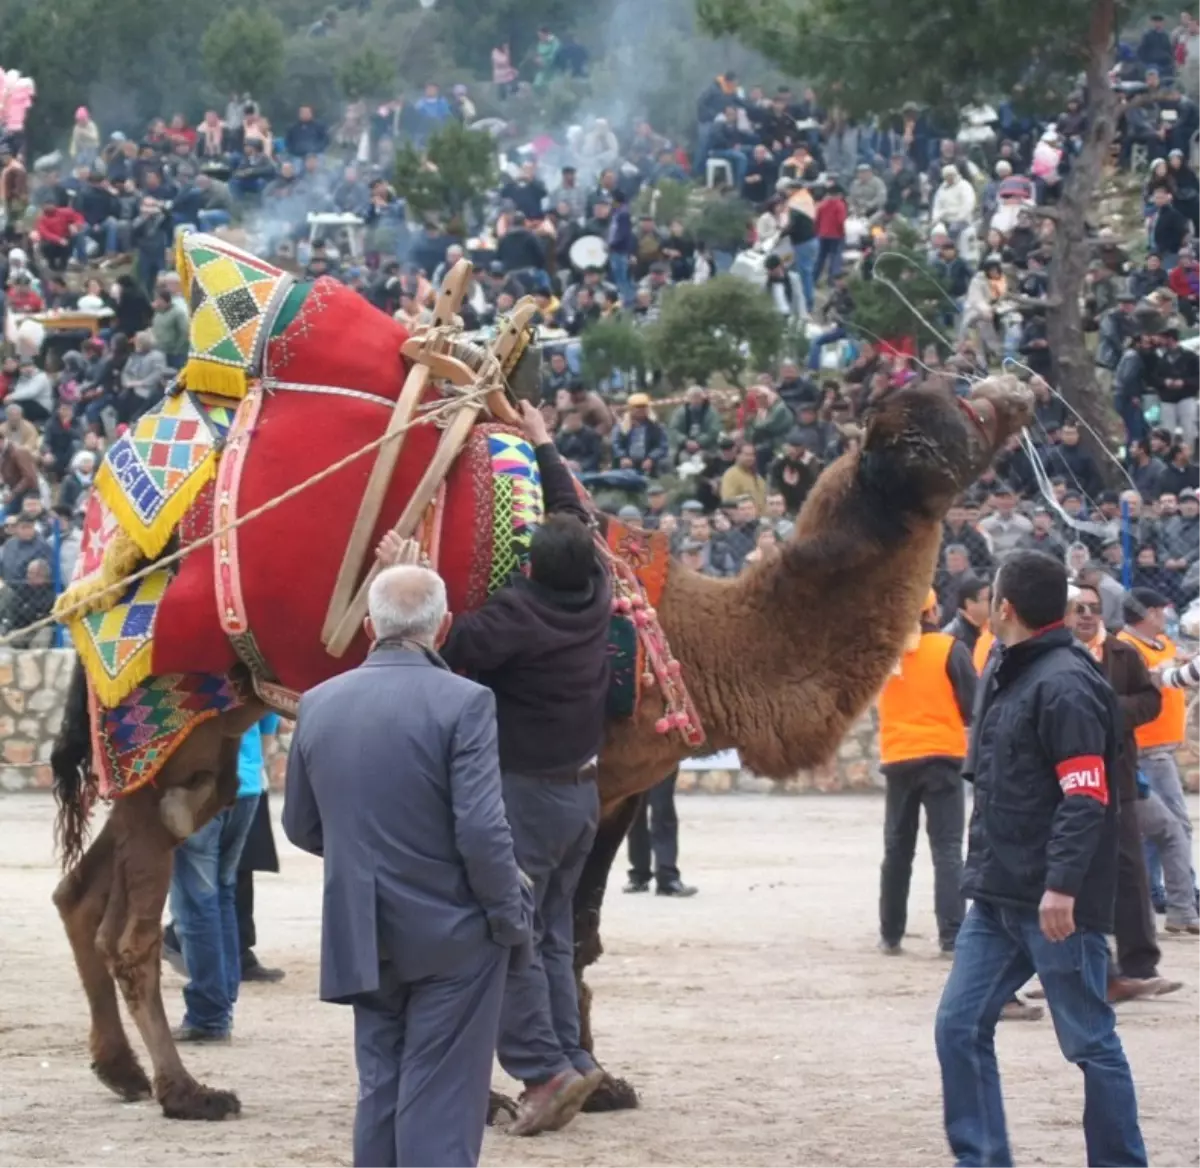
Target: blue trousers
[
  {"x": 424, "y": 1053},
  {"x": 997, "y": 951},
  {"x": 829, "y": 252},
  {"x": 826, "y": 338},
  {"x": 804, "y": 263},
  {"x": 203, "y": 904}
]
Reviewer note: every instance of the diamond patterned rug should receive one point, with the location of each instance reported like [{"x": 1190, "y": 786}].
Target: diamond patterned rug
[
  {"x": 137, "y": 736},
  {"x": 155, "y": 470},
  {"x": 516, "y": 504},
  {"x": 233, "y": 298},
  {"x": 116, "y": 644}
]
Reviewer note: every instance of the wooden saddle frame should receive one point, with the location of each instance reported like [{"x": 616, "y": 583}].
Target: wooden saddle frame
[{"x": 431, "y": 356}]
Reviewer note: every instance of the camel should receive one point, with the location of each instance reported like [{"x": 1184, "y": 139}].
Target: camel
[{"x": 779, "y": 663}]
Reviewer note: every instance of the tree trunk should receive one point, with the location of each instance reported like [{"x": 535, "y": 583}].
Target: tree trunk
[{"x": 1073, "y": 369}]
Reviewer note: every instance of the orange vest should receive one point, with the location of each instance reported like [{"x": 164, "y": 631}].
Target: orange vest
[
  {"x": 983, "y": 647},
  {"x": 918, "y": 713},
  {"x": 1168, "y": 728}
]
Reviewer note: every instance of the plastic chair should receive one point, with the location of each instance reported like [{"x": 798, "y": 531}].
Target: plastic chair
[{"x": 712, "y": 166}]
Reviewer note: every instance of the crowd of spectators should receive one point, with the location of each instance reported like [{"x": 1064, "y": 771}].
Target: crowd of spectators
[{"x": 90, "y": 231}]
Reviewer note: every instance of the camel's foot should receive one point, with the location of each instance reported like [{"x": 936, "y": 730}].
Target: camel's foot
[
  {"x": 191, "y": 1100},
  {"x": 497, "y": 1105},
  {"x": 122, "y": 1074},
  {"x": 612, "y": 1095}
]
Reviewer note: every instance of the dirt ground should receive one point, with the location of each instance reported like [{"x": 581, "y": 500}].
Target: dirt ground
[{"x": 757, "y": 1020}]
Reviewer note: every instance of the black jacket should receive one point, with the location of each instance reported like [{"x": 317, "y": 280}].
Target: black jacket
[
  {"x": 1044, "y": 757},
  {"x": 544, "y": 655},
  {"x": 1177, "y": 364}
]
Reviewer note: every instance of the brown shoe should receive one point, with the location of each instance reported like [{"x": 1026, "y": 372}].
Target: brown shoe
[
  {"x": 1128, "y": 989},
  {"x": 569, "y": 1111},
  {"x": 1019, "y": 1011},
  {"x": 541, "y": 1107},
  {"x": 1194, "y": 929}
]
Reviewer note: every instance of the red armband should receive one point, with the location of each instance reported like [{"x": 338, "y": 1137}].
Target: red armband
[{"x": 1084, "y": 775}]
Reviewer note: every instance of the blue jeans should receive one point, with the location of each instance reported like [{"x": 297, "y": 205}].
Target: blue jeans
[
  {"x": 804, "y": 262},
  {"x": 826, "y": 338},
  {"x": 997, "y": 951},
  {"x": 215, "y": 217},
  {"x": 618, "y": 264},
  {"x": 829, "y": 251},
  {"x": 203, "y": 888}
]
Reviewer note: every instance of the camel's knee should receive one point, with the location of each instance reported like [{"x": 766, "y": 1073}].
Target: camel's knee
[{"x": 88, "y": 881}]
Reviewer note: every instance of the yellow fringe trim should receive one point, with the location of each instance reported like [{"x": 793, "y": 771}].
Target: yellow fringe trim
[
  {"x": 110, "y": 691},
  {"x": 212, "y": 377},
  {"x": 121, "y": 557},
  {"x": 183, "y": 266},
  {"x": 151, "y": 540}
]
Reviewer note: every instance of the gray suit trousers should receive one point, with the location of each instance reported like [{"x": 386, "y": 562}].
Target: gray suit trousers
[
  {"x": 553, "y": 826},
  {"x": 424, "y": 1052}
]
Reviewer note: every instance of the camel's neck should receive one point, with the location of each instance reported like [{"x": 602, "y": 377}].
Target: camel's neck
[{"x": 781, "y": 661}]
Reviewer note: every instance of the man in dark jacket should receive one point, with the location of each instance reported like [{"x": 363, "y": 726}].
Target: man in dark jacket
[
  {"x": 540, "y": 644},
  {"x": 307, "y": 135},
  {"x": 1041, "y": 869},
  {"x": 1136, "y": 973},
  {"x": 974, "y": 597},
  {"x": 1177, "y": 378}
]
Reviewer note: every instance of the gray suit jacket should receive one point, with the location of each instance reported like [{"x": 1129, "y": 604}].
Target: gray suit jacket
[{"x": 394, "y": 778}]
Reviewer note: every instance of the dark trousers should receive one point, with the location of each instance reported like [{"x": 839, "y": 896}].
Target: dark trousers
[
  {"x": 244, "y": 904},
  {"x": 936, "y": 785},
  {"x": 998, "y": 950},
  {"x": 424, "y": 1054},
  {"x": 553, "y": 826},
  {"x": 655, "y": 831},
  {"x": 1134, "y": 925}
]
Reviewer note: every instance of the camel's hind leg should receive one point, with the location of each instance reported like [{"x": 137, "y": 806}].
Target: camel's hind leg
[
  {"x": 81, "y": 899},
  {"x": 131, "y": 939},
  {"x": 612, "y": 1094}
]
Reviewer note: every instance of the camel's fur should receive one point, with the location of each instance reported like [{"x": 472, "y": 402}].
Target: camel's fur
[{"x": 779, "y": 663}]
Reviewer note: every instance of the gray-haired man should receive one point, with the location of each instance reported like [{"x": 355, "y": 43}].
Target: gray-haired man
[{"x": 394, "y": 777}]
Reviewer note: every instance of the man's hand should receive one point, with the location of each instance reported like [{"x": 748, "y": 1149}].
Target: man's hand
[
  {"x": 1056, "y": 915},
  {"x": 393, "y": 550},
  {"x": 534, "y": 425}
]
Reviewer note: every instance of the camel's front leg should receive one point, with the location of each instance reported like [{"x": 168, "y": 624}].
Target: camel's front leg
[
  {"x": 612, "y": 1094},
  {"x": 81, "y": 899},
  {"x": 131, "y": 940}
]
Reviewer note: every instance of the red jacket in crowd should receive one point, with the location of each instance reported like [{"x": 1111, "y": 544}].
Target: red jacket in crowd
[
  {"x": 54, "y": 224},
  {"x": 831, "y": 218}
]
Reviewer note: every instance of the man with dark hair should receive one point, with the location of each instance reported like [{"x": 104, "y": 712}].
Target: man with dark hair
[
  {"x": 1041, "y": 869},
  {"x": 973, "y": 602},
  {"x": 1136, "y": 972},
  {"x": 540, "y": 644},
  {"x": 924, "y": 711}
]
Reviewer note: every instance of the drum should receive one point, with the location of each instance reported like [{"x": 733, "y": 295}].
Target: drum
[{"x": 588, "y": 252}]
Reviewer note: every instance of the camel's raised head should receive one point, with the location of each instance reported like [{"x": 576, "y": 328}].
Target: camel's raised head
[{"x": 923, "y": 444}]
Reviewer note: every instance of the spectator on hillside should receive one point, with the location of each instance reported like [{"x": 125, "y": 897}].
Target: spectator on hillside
[
  {"x": 638, "y": 441},
  {"x": 830, "y": 225},
  {"x": 793, "y": 472},
  {"x": 1043, "y": 537},
  {"x": 170, "y": 327},
  {"x": 1146, "y": 471},
  {"x": 143, "y": 377},
  {"x": 307, "y": 135},
  {"x": 1074, "y": 462},
  {"x": 958, "y": 529},
  {"x": 695, "y": 426},
  {"x": 580, "y": 445},
  {"x": 743, "y": 479},
  {"x": 1005, "y": 527}
]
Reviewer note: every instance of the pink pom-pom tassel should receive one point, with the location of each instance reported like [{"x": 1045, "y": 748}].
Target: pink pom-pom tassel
[{"x": 662, "y": 726}]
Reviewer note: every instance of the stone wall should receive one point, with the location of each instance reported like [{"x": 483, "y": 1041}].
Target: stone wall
[{"x": 33, "y": 688}]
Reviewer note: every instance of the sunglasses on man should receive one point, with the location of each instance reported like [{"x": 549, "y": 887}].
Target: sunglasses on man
[{"x": 1084, "y": 607}]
